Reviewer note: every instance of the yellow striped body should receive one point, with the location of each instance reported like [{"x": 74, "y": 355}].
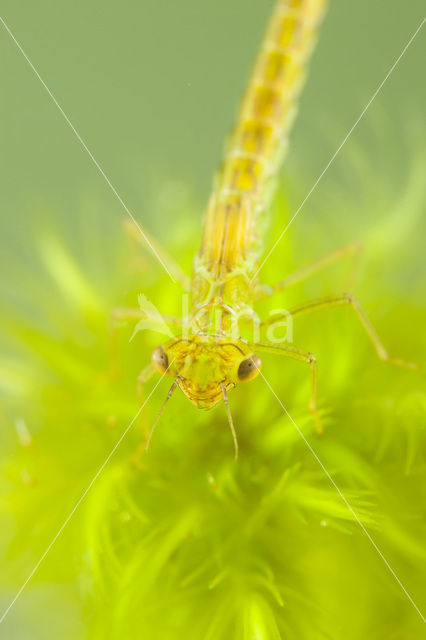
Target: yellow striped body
[
  {"x": 213, "y": 355},
  {"x": 230, "y": 247}
]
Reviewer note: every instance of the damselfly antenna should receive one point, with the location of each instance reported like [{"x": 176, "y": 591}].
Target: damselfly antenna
[
  {"x": 169, "y": 395},
  {"x": 231, "y": 423}
]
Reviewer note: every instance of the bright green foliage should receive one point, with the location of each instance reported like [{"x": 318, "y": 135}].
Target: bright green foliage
[{"x": 190, "y": 544}]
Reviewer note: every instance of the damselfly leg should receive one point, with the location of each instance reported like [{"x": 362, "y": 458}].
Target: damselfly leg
[
  {"x": 351, "y": 251},
  {"x": 341, "y": 300},
  {"x": 290, "y": 351},
  {"x": 134, "y": 232},
  {"x": 142, "y": 423}
]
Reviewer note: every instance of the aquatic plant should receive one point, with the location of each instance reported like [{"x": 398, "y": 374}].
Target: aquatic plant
[{"x": 188, "y": 543}]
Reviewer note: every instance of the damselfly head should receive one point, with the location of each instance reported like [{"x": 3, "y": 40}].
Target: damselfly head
[{"x": 203, "y": 366}]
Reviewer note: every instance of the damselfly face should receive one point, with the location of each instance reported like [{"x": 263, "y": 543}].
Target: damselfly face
[{"x": 206, "y": 368}]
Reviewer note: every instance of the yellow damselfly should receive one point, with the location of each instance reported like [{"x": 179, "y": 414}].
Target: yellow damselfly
[{"x": 209, "y": 356}]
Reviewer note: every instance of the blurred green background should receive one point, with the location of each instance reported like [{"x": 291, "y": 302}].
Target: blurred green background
[{"x": 153, "y": 89}]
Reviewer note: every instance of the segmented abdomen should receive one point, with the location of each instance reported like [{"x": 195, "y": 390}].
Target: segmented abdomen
[{"x": 259, "y": 140}]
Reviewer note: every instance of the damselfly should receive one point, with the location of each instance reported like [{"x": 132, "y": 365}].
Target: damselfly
[{"x": 210, "y": 356}]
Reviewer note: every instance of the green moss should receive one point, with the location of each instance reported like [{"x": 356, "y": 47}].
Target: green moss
[{"x": 191, "y": 544}]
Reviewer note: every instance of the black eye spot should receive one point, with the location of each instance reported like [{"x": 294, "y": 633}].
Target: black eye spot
[
  {"x": 249, "y": 368},
  {"x": 160, "y": 360}
]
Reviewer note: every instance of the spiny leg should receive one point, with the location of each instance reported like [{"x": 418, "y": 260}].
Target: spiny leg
[
  {"x": 290, "y": 351},
  {"x": 135, "y": 233},
  {"x": 351, "y": 250},
  {"x": 347, "y": 299}
]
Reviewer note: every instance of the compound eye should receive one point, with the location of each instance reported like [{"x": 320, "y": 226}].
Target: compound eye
[
  {"x": 249, "y": 368},
  {"x": 160, "y": 360}
]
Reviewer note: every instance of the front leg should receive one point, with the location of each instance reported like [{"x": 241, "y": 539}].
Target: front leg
[
  {"x": 289, "y": 351},
  {"x": 144, "y": 377}
]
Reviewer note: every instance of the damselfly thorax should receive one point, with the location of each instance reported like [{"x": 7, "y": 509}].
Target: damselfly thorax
[{"x": 209, "y": 355}]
